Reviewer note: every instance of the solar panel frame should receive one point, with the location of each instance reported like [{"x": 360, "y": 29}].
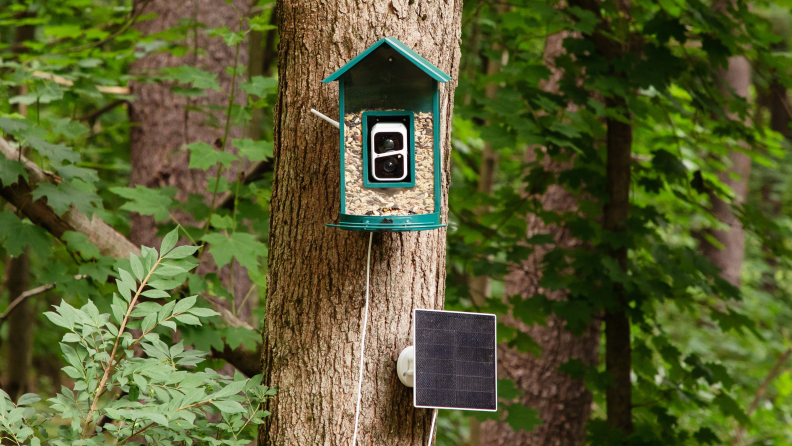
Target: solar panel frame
[{"x": 416, "y": 368}]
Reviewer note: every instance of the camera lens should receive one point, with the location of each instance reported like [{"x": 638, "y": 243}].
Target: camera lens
[
  {"x": 389, "y": 166},
  {"x": 388, "y": 144}
]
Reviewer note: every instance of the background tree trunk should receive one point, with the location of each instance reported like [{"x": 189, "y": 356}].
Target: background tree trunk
[
  {"x": 22, "y": 322},
  {"x": 730, "y": 257},
  {"x": 479, "y": 286},
  {"x": 21, "y": 325},
  {"x": 162, "y": 125},
  {"x": 564, "y": 404},
  {"x": 317, "y": 274}
]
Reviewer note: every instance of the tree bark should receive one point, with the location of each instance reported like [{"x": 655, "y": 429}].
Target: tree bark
[
  {"x": 736, "y": 79},
  {"x": 317, "y": 274},
  {"x": 21, "y": 325},
  {"x": 563, "y": 403},
  {"x": 162, "y": 125}
]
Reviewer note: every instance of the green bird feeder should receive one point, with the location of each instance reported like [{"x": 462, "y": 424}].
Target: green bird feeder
[{"x": 389, "y": 103}]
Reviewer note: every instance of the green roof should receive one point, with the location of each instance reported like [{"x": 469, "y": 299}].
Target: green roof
[{"x": 425, "y": 66}]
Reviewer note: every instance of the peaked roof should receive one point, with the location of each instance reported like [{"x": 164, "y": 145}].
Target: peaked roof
[{"x": 426, "y": 66}]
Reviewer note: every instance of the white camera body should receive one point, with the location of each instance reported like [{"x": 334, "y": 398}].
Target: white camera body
[{"x": 399, "y": 154}]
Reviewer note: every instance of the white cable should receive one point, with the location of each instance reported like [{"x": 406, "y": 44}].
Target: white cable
[
  {"x": 431, "y": 429},
  {"x": 363, "y": 340}
]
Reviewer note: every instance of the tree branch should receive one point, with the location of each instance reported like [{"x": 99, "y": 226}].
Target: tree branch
[
  {"x": 27, "y": 294},
  {"x": 109, "y": 241},
  {"x": 100, "y": 111}
]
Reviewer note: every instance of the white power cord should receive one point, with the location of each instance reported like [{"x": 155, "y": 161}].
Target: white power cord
[
  {"x": 363, "y": 351},
  {"x": 363, "y": 339},
  {"x": 431, "y": 429}
]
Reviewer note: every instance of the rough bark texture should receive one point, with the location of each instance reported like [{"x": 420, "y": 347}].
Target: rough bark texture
[
  {"x": 729, "y": 258},
  {"x": 162, "y": 125},
  {"x": 317, "y": 274},
  {"x": 564, "y": 404},
  {"x": 20, "y": 329}
]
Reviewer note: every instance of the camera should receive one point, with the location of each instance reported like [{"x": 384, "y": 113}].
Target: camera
[{"x": 389, "y": 151}]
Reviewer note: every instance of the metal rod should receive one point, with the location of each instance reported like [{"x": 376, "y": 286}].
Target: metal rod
[{"x": 335, "y": 123}]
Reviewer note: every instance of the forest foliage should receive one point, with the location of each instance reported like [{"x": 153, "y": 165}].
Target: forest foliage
[{"x": 708, "y": 357}]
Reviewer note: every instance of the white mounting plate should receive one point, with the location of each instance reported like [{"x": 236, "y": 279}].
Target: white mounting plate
[{"x": 405, "y": 366}]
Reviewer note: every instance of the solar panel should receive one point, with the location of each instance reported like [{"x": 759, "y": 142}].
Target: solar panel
[{"x": 455, "y": 360}]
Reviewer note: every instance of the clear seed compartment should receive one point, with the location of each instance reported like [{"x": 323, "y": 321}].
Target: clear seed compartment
[{"x": 360, "y": 200}]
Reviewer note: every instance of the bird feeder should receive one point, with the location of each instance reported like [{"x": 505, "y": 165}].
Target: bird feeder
[{"x": 389, "y": 102}]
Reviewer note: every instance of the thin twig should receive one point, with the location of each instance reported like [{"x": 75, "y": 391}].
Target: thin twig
[
  {"x": 774, "y": 372},
  {"x": 99, "y": 112},
  {"x": 30, "y": 293}
]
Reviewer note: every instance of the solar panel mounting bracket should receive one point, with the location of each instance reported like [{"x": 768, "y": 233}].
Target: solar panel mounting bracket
[{"x": 405, "y": 366}]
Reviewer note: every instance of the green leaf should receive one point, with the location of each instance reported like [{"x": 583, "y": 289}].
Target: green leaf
[
  {"x": 145, "y": 201},
  {"x": 203, "y": 312},
  {"x": 28, "y": 398},
  {"x": 185, "y": 304},
  {"x": 156, "y": 294},
  {"x": 231, "y": 38},
  {"x": 169, "y": 241},
  {"x": 260, "y": 23},
  {"x": 148, "y": 322},
  {"x": 57, "y": 153},
  {"x": 134, "y": 393},
  {"x": 16, "y": 234},
  {"x": 181, "y": 252},
  {"x": 128, "y": 280},
  {"x": 169, "y": 270},
  {"x": 60, "y": 198},
  {"x": 70, "y": 171},
  {"x": 507, "y": 389},
  {"x": 186, "y": 74},
  {"x": 137, "y": 267},
  {"x": 229, "y": 407},
  {"x": 118, "y": 313},
  {"x": 260, "y": 86},
  {"x": 188, "y": 319},
  {"x": 162, "y": 284},
  {"x": 705, "y": 435},
  {"x": 728, "y": 406},
  {"x": 254, "y": 150},
  {"x": 12, "y": 126},
  {"x": 10, "y": 171},
  {"x": 203, "y": 156},
  {"x": 68, "y": 128},
  {"x": 146, "y": 308},
  {"x": 231, "y": 389},
  {"x": 241, "y": 246},
  {"x": 221, "y": 221},
  {"x": 155, "y": 417},
  {"x": 77, "y": 241},
  {"x": 523, "y": 418}
]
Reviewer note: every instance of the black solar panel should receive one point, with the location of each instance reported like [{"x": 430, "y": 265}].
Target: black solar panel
[{"x": 455, "y": 360}]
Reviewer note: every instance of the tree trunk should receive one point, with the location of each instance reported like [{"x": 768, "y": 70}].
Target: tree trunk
[
  {"x": 22, "y": 322},
  {"x": 162, "y": 125},
  {"x": 317, "y": 274},
  {"x": 21, "y": 325},
  {"x": 730, "y": 257},
  {"x": 564, "y": 404},
  {"x": 618, "y": 348}
]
